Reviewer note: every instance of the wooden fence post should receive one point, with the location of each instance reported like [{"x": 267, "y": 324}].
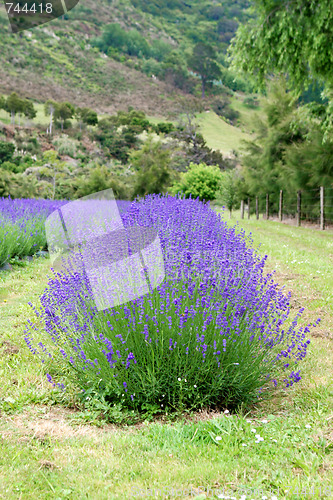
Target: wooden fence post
[
  {"x": 281, "y": 206},
  {"x": 257, "y": 207},
  {"x": 248, "y": 208},
  {"x": 242, "y": 209},
  {"x": 267, "y": 206},
  {"x": 299, "y": 207},
  {"x": 322, "y": 208}
]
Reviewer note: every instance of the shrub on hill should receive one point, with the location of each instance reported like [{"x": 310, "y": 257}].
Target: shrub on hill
[
  {"x": 152, "y": 163},
  {"x": 99, "y": 179},
  {"x": 200, "y": 181},
  {"x": 222, "y": 108},
  {"x": 7, "y": 150}
]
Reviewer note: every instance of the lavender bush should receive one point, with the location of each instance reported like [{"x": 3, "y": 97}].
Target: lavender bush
[
  {"x": 215, "y": 333},
  {"x": 22, "y": 229}
]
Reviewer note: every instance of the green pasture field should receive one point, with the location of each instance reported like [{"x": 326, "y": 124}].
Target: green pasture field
[
  {"x": 53, "y": 449},
  {"x": 220, "y": 134}
]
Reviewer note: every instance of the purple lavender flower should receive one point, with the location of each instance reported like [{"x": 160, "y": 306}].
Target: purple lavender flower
[{"x": 215, "y": 293}]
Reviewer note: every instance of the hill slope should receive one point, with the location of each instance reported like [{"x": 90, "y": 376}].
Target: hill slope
[{"x": 57, "y": 60}]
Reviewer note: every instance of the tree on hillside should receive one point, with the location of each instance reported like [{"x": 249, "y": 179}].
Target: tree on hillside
[
  {"x": 134, "y": 119},
  {"x": 174, "y": 71},
  {"x": 152, "y": 165},
  {"x": 113, "y": 35},
  {"x": 187, "y": 133},
  {"x": 63, "y": 111},
  {"x": 53, "y": 168},
  {"x": 29, "y": 109},
  {"x": 264, "y": 165},
  {"x": 14, "y": 105},
  {"x": 17, "y": 185},
  {"x": 2, "y": 102},
  {"x": 86, "y": 116},
  {"x": 49, "y": 109},
  {"x": 186, "y": 110},
  {"x": 203, "y": 62},
  {"x": 293, "y": 38},
  {"x": 227, "y": 193},
  {"x": 99, "y": 178}
]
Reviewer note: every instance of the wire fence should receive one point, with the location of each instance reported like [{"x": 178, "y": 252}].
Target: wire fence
[{"x": 314, "y": 206}]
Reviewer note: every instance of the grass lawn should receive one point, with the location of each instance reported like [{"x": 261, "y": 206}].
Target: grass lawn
[{"x": 52, "y": 450}]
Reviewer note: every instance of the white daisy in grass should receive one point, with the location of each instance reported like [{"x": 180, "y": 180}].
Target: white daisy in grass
[
  {"x": 254, "y": 430},
  {"x": 308, "y": 426},
  {"x": 218, "y": 438}
]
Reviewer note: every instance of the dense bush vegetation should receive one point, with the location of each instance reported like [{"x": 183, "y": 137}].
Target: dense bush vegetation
[
  {"x": 289, "y": 153},
  {"x": 206, "y": 28},
  {"x": 153, "y": 168},
  {"x": 122, "y": 151}
]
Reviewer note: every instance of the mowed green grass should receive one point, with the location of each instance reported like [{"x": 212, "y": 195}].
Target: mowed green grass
[{"x": 51, "y": 450}]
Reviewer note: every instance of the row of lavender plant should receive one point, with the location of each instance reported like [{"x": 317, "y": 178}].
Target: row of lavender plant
[
  {"x": 22, "y": 230},
  {"x": 216, "y": 332}
]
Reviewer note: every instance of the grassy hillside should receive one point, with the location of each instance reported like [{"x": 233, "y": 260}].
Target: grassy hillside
[
  {"x": 57, "y": 61},
  {"x": 220, "y": 134}
]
